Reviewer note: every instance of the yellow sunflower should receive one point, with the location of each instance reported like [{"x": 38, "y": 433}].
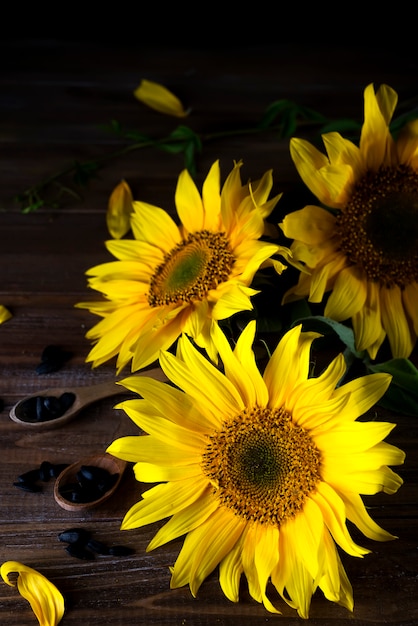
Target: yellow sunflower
[
  {"x": 364, "y": 251},
  {"x": 259, "y": 471},
  {"x": 174, "y": 278}
]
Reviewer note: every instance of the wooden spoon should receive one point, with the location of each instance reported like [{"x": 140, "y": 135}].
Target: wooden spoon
[
  {"x": 84, "y": 396},
  {"x": 69, "y": 476}
]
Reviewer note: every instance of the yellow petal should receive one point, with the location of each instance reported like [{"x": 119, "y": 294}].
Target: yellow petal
[
  {"x": 159, "y": 98},
  {"x": 348, "y": 295},
  {"x": 236, "y": 299},
  {"x": 168, "y": 401},
  {"x": 395, "y": 322},
  {"x": 266, "y": 558},
  {"x": 367, "y": 324},
  {"x": 410, "y": 300},
  {"x": 154, "y": 225},
  {"x": 119, "y": 210},
  {"x": 211, "y": 196},
  {"x": 288, "y": 365},
  {"x": 205, "y": 547},
  {"x": 357, "y": 513},
  {"x": 362, "y": 393},
  {"x": 375, "y": 139},
  {"x": 189, "y": 204},
  {"x": 4, "y": 314},
  {"x": 333, "y": 512},
  {"x": 218, "y": 392},
  {"x": 45, "y": 599},
  {"x": 169, "y": 498},
  {"x": 240, "y": 365},
  {"x": 186, "y": 520},
  {"x": 312, "y": 225},
  {"x": 230, "y": 571},
  {"x": 150, "y": 450}
]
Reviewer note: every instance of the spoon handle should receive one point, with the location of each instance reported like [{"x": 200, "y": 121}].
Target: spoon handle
[{"x": 92, "y": 393}]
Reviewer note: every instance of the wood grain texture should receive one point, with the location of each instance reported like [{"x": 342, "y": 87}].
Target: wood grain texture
[{"x": 54, "y": 98}]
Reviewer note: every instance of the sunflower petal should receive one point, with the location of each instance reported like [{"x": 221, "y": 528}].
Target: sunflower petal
[
  {"x": 394, "y": 320},
  {"x": 159, "y": 98},
  {"x": 4, "y": 314},
  {"x": 45, "y": 599},
  {"x": 119, "y": 210}
]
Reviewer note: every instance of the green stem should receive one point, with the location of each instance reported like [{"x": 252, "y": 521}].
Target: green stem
[{"x": 32, "y": 195}]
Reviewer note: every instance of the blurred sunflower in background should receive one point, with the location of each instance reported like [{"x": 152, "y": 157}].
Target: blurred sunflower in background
[
  {"x": 259, "y": 471},
  {"x": 361, "y": 245},
  {"x": 172, "y": 279}
]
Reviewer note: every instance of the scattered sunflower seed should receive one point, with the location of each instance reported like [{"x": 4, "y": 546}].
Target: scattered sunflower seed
[
  {"x": 28, "y": 480},
  {"x": 82, "y": 546},
  {"x": 97, "y": 546},
  {"x": 74, "y": 535},
  {"x": 52, "y": 359},
  {"x": 27, "y": 486},
  {"x": 77, "y": 550},
  {"x": 121, "y": 550}
]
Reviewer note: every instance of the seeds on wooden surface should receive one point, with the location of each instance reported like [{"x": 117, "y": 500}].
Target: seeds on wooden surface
[
  {"x": 28, "y": 480},
  {"x": 82, "y": 546}
]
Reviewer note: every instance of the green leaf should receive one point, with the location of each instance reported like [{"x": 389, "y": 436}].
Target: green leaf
[
  {"x": 274, "y": 110},
  {"x": 326, "y": 326},
  {"x": 342, "y": 126},
  {"x": 402, "y": 395},
  {"x": 84, "y": 172}
]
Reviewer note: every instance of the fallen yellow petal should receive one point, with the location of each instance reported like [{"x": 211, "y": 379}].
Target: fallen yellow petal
[
  {"x": 159, "y": 98},
  {"x": 46, "y": 601},
  {"x": 119, "y": 210},
  {"x": 4, "y": 314}
]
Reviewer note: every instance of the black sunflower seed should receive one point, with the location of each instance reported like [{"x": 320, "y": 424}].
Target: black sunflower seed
[
  {"x": 79, "y": 551},
  {"x": 31, "y": 476},
  {"x": 44, "y": 408},
  {"x": 66, "y": 400},
  {"x": 27, "y": 486},
  {"x": 97, "y": 546},
  {"x": 45, "y": 471},
  {"x": 74, "y": 535},
  {"x": 52, "y": 359},
  {"x": 57, "y": 469},
  {"x": 121, "y": 550}
]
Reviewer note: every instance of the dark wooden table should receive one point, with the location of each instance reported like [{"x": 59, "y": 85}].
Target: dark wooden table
[{"x": 55, "y": 98}]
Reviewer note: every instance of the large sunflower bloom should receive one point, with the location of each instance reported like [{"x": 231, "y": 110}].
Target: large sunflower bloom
[
  {"x": 173, "y": 278},
  {"x": 365, "y": 250},
  {"x": 258, "y": 471}
]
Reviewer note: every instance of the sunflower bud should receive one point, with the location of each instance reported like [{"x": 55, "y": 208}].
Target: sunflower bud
[{"x": 119, "y": 210}]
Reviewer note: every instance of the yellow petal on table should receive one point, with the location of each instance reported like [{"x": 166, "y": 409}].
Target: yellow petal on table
[
  {"x": 45, "y": 599},
  {"x": 119, "y": 210},
  {"x": 159, "y": 98},
  {"x": 4, "y": 314}
]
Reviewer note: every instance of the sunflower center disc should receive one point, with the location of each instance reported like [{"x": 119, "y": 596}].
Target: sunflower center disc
[
  {"x": 262, "y": 465},
  {"x": 199, "y": 263},
  {"x": 379, "y": 226}
]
